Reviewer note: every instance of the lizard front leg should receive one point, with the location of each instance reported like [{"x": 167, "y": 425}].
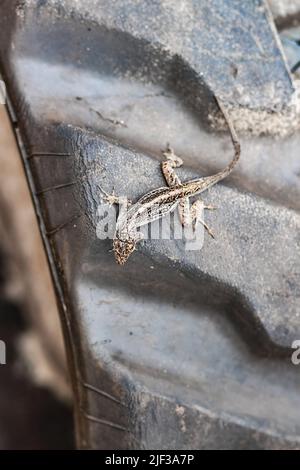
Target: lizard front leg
[{"x": 189, "y": 216}]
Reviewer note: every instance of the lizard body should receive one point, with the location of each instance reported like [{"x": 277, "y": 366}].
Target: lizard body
[{"x": 159, "y": 202}]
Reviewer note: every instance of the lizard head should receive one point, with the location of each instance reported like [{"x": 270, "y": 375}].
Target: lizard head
[{"x": 123, "y": 249}]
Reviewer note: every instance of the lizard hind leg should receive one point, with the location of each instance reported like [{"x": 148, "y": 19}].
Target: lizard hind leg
[
  {"x": 172, "y": 161},
  {"x": 192, "y": 216},
  {"x": 188, "y": 216},
  {"x": 197, "y": 211}
]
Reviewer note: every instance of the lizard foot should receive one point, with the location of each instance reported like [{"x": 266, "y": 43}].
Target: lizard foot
[
  {"x": 171, "y": 155},
  {"x": 112, "y": 199},
  {"x": 210, "y": 207}
]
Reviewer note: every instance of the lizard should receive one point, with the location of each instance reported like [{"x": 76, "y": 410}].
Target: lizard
[{"x": 159, "y": 202}]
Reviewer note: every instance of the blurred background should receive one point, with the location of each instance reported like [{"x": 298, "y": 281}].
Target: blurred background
[{"x": 35, "y": 409}]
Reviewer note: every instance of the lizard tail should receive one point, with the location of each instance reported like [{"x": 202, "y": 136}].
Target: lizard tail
[
  {"x": 209, "y": 181},
  {"x": 235, "y": 142},
  {"x": 202, "y": 184}
]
